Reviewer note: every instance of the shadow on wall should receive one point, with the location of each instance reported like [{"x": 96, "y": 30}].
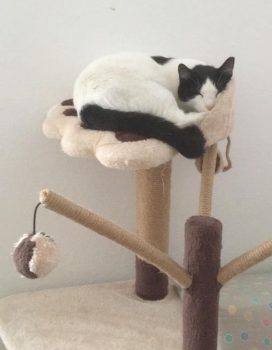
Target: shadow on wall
[{"x": 2, "y": 347}]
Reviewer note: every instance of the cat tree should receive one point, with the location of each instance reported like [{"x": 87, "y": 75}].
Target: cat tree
[{"x": 202, "y": 276}]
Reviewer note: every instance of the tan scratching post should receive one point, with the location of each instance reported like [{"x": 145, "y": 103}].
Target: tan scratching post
[
  {"x": 152, "y": 219},
  {"x": 203, "y": 240}
]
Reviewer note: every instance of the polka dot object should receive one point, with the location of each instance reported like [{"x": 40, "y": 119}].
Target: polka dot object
[
  {"x": 248, "y": 316},
  {"x": 244, "y": 336},
  {"x": 267, "y": 341},
  {"x": 232, "y": 309},
  {"x": 228, "y": 338},
  {"x": 245, "y": 321},
  {"x": 256, "y": 301},
  {"x": 266, "y": 322}
]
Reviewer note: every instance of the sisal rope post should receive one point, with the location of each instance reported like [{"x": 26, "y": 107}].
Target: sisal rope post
[
  {"x": 106, "y": 228},
  {"x": 207, "y": 179},
  {"x": 152, "y": 225},
  {"x": 244, "y": 262}
]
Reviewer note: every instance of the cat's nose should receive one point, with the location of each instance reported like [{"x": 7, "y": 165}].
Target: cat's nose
[{"x": 210, "y": 106}]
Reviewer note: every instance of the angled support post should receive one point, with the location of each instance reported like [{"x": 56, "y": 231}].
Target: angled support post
[
  {"x": 147, "y": 252},
  {"x": 244, "y": 262}
]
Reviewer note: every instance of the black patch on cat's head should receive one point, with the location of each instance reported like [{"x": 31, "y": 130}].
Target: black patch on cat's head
[
  {"x": 161, "y": 59},
  {"x": 191, "y": 80}
]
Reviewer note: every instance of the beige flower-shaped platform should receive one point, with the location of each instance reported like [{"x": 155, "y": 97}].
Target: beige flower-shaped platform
[{"x": 62, "y": 123}]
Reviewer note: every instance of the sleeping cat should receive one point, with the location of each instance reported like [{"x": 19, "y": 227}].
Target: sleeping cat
[{"x": 155, "y": 97}]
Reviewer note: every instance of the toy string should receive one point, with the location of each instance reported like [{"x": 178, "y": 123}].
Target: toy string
[{"x": 35, "y": 218}]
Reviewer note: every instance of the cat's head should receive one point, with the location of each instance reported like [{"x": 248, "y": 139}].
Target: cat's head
[{"x": 200, "y": 85}]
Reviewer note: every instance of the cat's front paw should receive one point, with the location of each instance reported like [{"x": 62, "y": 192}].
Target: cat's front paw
[{"x": 193, "y": 118}]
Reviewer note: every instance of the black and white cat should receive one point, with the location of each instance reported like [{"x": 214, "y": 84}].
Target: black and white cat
[{"x": 155, "y": 97}]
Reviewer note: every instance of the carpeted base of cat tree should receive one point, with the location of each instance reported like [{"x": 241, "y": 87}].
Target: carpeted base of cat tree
[
  {"x": 110, "y": 316},
  {"x": 94, "y": 317}
]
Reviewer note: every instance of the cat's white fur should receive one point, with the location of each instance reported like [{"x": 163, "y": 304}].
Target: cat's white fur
[{"x": 135, "y": 82}]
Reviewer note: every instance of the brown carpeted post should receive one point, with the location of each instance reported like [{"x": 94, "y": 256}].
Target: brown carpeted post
[
  {"x": 203, "y": 239},
  {"x": 152, "y": 218}
]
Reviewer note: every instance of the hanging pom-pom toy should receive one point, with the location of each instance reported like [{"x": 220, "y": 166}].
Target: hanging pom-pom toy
[{"x": 35, "y": 254}]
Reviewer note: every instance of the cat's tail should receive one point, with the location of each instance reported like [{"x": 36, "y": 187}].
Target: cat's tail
[{"x": 189, "y": 141}]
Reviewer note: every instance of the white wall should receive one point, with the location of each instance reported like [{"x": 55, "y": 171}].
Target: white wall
[{"x": 45, "y": 44}]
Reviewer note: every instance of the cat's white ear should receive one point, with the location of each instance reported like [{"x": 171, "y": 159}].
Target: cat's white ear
[
  {"x": 227, "y": 66},
  {"x": 184, "y": 72}
]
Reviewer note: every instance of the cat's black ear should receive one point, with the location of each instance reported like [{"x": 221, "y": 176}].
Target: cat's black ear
[
  {"x": 227, "y": 66},
  {"x": 184, "y": 72}
]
